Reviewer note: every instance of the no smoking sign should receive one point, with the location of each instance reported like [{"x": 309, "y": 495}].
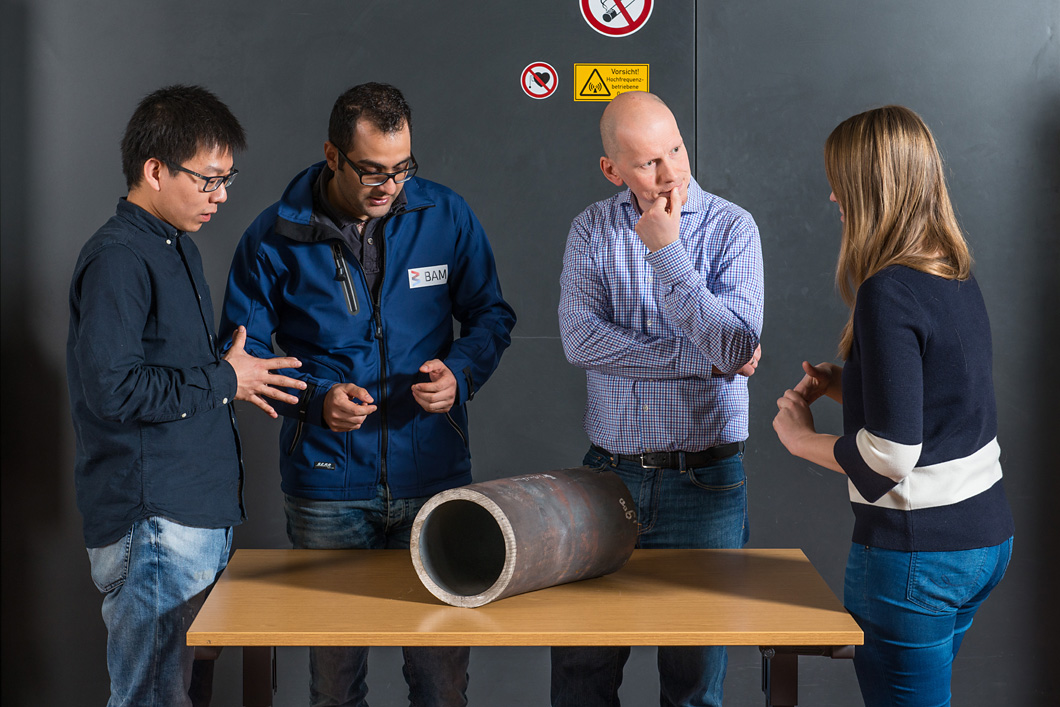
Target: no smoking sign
[
  {"x": 616, "y": 18},
  {"x": 539, "y": 80}
]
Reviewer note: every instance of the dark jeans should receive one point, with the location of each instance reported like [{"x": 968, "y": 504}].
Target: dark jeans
[
  {"x": 437, "y": 677},
  {"x": 705, "y": 507}
]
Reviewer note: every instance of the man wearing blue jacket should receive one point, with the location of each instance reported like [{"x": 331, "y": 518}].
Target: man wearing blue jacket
[{"x": 359, "y": 271}]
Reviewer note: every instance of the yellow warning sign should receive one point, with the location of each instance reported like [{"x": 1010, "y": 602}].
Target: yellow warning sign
[{"x": 602, "y": 82}]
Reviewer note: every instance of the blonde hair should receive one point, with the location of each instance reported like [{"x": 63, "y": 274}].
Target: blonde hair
[{"x": 886, "y": 173}]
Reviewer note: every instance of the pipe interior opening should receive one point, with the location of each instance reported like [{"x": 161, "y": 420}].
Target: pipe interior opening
[{"x": 462, "y": 548}]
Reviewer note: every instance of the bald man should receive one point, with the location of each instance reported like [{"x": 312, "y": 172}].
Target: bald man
[{"x": 661, "y": 304}]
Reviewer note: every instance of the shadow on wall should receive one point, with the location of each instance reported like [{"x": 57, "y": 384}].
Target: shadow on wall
[
  {"x": 35, "y": 426},
  {"x": 1047, "y": 301}
]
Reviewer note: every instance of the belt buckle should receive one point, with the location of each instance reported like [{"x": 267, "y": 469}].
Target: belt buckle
[{"x": 646, "y": 465}]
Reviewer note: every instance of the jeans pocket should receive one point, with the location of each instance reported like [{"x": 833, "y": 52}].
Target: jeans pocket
[
  {"x": 945, "y": 581},
  {"x": 596, "y": 461},
  {"x": 725, "y": 475},
  {"x": 110, "y": 563}
]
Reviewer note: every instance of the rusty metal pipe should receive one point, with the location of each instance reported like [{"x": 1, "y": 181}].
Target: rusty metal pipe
[{"x": 486, "y": 541}]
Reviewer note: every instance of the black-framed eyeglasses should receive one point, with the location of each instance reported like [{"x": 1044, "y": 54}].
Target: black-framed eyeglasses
[
  {"x": 212, "y": 183},
  {"x": 375, "y": 179}
]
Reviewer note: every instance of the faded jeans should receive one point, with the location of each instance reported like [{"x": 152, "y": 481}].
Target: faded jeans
[{"x": 154, "y": 580}]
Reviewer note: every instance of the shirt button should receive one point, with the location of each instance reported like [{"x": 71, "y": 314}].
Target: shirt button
[
  {"x": 371, "y": 242},
  {"x": 645, "y": 408},
  {"x": 183, "y": 415},
  {"x": 224, "y": 401},
  {"x": 649, "y": 322},
  {"x": 169, "y": 242}
]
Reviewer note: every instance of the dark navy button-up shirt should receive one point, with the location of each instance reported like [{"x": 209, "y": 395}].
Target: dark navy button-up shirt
[{"x": 150, "y": 396}]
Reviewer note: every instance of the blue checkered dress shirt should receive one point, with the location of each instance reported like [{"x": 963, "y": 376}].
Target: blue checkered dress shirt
[{"x": 648, "y": 327}]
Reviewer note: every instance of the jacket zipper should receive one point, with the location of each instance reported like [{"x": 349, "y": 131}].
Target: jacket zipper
[
  {"x": 297, "y": 436},
  {"x": 377, "y": 299},
  {"x": 452, "y": 422},
  {"x": 303, "y": 412},
  {"x": 342, "y": 274},
  {"x": 377, "y": 316}
]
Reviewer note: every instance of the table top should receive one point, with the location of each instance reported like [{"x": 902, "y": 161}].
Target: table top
[{"x": 660, "y": 597}]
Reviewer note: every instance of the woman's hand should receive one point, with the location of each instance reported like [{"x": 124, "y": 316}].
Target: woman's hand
[
  {"x": 795, "y": 428},
  {"x": 822, "y": 379},
  {"x": 793, "y": 421}
]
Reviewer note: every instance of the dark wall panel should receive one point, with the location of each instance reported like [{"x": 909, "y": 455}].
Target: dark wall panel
[
  {"x": 755, "y": 86},
  {"x": 774, "y": 78}
]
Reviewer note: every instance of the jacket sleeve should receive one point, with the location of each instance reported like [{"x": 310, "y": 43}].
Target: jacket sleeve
[
  {"x": 114, "y": 301},
  {"x": 723, "y": 320},
  {"x": 252, "y": 298},
  {"x": 486, "y": 320},
  {"x": 889, "y": 336},
  {"x": 591, "y": 339}
]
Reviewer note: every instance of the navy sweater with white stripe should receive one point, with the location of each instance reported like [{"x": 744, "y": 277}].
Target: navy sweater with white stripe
[{"x": 920, "y": 421}]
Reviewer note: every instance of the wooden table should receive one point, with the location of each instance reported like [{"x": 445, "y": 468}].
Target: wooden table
[{"x": 773, "y": 599}]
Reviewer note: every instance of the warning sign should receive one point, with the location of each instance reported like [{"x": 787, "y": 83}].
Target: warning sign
[
  {"x": 616, "y": 18},
  {"x": 602, "y": 82},
  {"x": 539, "y": 80}
]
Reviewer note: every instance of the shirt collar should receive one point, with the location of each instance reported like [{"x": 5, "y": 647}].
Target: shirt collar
[
  {"x": 144, "y": 220},
  {"x": 337, "y": 216}
]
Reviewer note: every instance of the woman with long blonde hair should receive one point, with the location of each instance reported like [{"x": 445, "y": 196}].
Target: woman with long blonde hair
[{"x": 933, "y": 531}]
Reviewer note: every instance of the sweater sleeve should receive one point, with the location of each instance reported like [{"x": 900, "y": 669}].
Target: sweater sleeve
[{"x": 890, "y": 334}]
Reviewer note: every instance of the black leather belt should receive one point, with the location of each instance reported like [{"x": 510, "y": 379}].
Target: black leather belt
[{"x": 676, "y": 460}]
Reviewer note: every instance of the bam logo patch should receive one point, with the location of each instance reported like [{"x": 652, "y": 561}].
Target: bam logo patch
[
  {"x": 428, "y": 276},
  {"x": 324, "y": 465}
]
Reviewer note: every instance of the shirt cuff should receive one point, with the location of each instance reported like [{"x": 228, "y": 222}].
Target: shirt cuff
[
  {"x": 671, "y": 263},
  {"x": 223, "y": 382}
]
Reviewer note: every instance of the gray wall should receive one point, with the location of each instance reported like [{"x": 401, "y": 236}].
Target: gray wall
[{"x": 756, "y": 86}]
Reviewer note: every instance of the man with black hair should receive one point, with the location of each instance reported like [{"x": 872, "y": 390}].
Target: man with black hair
[
  {"x": 158, "y": 471},
  {"x": 360, "y": 270}
]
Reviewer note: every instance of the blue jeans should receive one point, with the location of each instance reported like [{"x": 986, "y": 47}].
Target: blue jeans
[
  {"x": 915, "y": 608},
  {"x": 154, "y": 580},
  {"x": 705, "y": 507},
  {"x": 437, "y": 677}
]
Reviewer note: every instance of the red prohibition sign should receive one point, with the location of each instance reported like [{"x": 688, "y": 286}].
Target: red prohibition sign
[
  {"x": 539, "y": 80},
  {"x": 616, "y": 18}
]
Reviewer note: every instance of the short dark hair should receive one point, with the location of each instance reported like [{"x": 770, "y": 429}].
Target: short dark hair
[
  {"x": 380, "y": 104},
  {"x": 173, "y": 124}
]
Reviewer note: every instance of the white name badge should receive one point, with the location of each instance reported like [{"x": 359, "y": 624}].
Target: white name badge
[{"x": 428, "y": 276}]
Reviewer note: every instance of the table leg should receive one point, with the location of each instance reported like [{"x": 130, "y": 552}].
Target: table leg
[
  {"x": 259, "y": 676},
  {"x": 780, "y": 677},
  {"x": 780, "y": 670}
]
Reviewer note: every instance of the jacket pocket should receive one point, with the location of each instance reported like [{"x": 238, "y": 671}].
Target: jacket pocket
[{"x": 440, "y": 441}]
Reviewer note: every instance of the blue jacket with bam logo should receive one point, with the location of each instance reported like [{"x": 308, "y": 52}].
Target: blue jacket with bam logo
[{"x": 293, "y": 278}]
